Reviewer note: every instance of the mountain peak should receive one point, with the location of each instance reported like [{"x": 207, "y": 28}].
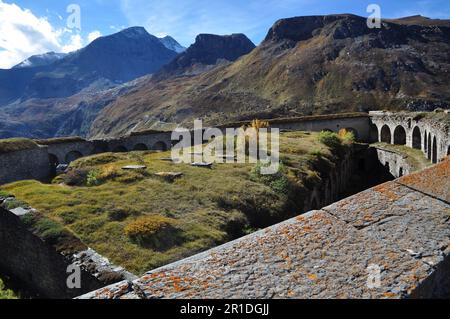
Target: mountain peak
[
  {"x": 207, "y": 51},
  {"x": 134, "y": 32},
  {"x": 304, "y": 27},
  {"x": 172, "y": 44}
]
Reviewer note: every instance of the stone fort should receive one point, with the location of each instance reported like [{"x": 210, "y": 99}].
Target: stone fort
[{"x": 401, "y": 227}]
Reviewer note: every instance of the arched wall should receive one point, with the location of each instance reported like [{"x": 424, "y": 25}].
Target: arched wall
[{"x": 414, "y": 131}]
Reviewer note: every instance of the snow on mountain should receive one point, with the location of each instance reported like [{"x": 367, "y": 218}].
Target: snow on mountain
[
  {"x": 40, "y": 60},
  {"x": 171, "y": 44}
]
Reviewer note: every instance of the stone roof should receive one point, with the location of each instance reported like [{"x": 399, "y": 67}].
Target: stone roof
[{"x": 402, "y": 227}]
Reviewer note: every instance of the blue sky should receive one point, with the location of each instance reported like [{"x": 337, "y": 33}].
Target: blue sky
[{"x": 182, "y": 19}]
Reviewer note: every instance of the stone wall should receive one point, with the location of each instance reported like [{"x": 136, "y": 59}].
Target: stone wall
[
  {"x": 334, "y": 184},
  {"x": 413, "y": 130},
  {"x": 394, "y": 162},
  {"x": 39, "y": 267},
  {"x": 359, "y": 125},
  {"x": 24, "y": 164},
  {"x": 396, "y": 232}
]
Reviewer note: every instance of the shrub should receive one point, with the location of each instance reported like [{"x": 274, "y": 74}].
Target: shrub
[
  {"x": 91, "y": 179},
  {"x": 155, "y": 231},
  {"x": 6, "y": 293},
  {"x": 347, "y": 137},
  {"x": 258, "y": 124},
  {"x": 330, "y": 139},
  {"x": 278, "y": 182}
]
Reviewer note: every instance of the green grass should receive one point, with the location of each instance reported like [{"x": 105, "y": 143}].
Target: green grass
[
  {"x": 6, "y": 293},
  {"x": 207, "y": 206},
  {"x": 16, "y": 144}
]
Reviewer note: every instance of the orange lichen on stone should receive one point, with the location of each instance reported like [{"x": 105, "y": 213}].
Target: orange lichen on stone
[
  {"x": 312, "y": 276},
  {"x": 434, "y": 180},
  {"x": 389, "y": 295},
  {"x": 386, "y": 191}
]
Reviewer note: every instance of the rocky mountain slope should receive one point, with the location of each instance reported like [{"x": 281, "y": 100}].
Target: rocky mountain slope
[
  {"x": 40, "y": 60},
  {"x": 54, "y": 94},
  {"x": 207, "y": 51},
  {"x": 73, "y": 115},
  {"x": 305, "y": 65},
  {"x": 109, "y": 60},
  {"x": 172, "y": 44}
]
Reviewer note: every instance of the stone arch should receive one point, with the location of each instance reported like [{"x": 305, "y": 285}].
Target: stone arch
[
  {"x": 448, "y": 150},
  {"x": 400, "y": 172},
  {"x": 72, "y": 156},
  {"x": 386, "y": 136},
  {"x": 140, "y": 147},
  {"x": 120, "y": 149},
  {"x": 374, "y": 133},
  {"x": 416, "y": 138},
  {"x": 400, "y": 135},
  {"x": 434, "y": 153},
  {"x": 160, "y": 146},
  {"x": 54, "y": 162},
  {"x": 425, "y": 142},
  {"x": 429, "y": 146}
]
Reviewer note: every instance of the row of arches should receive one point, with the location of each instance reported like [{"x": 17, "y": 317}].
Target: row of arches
[
  {"x": 398, "y": 138},
  {"x": 158, "y": 146},
  {"x": 74, "y": 155},
  {"x": 426, "y": 142}
]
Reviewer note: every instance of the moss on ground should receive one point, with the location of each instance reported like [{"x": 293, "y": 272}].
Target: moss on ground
[
  {"x": 16, "y": 144},
  {"x": 203, "y": 208}
]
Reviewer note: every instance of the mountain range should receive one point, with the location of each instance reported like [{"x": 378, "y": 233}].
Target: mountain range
[{"x": 306, "y": 65}]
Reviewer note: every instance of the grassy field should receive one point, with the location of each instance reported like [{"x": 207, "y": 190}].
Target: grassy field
[
  {"x": 415, "y": 158},
  {"x": 141, "y": 221}
]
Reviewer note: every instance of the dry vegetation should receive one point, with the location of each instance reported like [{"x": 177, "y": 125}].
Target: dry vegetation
[{"x": 140, "y": 221}]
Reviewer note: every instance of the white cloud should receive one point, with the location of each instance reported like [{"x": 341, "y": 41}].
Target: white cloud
[
  {"x": 23, "y": 34},
  {"x": 75, "y": 43},
  {"x": 94, "y": 35}
]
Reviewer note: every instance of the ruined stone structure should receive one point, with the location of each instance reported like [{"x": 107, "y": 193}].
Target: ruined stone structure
[
  {"x": 412, "y": 130},
  {"x": 397, "y": 231},
  {"x": 432, "y": 137},
  {"x": 400, "y": 227},
  {"x": 24, "y": 164},
  {"x": 43, "y": 268}
]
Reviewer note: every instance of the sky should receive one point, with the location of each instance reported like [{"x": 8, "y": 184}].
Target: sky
[{"x": 29, "y": 27}]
